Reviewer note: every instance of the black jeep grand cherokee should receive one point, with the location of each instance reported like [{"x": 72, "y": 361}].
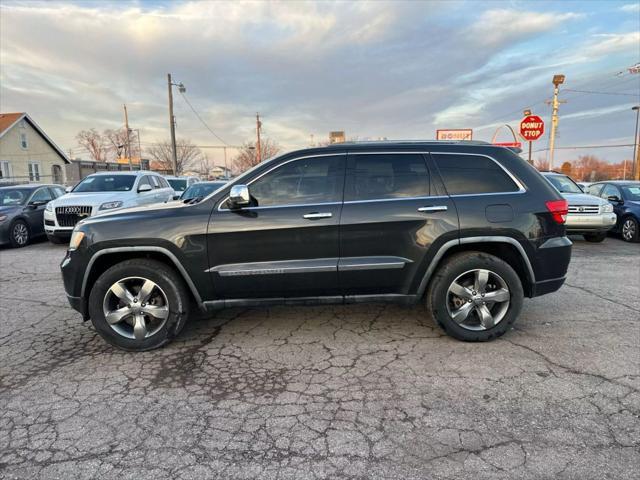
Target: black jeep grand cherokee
[{"x": 468, "y": 227}]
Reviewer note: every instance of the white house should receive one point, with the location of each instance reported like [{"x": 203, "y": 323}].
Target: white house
[{"x": 27, "y": 154}]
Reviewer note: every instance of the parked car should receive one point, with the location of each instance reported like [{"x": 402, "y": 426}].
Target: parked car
[
  {"x": 180, "y": 184},
  {"x": 589, "y": 215},
  {"x": 624, "y": 196},
  {"x": 468, "y": 227},
  {"x": 198, "y": 191},
  {"x": 583, "y": 186},
  {"x": 99, "y": 193},
  {"x": 21, "y": 212}
]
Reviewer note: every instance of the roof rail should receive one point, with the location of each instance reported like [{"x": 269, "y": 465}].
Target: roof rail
[{"x": 445, "y": 142}]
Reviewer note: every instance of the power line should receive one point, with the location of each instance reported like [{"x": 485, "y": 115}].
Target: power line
[
  {"x": 201, "y": 119},
  {"x": 579, "y": 147},
  {"x": 602, "y": 93}
]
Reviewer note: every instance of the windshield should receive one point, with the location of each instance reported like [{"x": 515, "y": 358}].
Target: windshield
[
  {"x": 563, "y": 184},
  {"x": 631, "y": 193},
  {"x": 200, "y": 190},
  {"x": 177, "y": 184},
  {"x": 14, "y": 196},
  {"x": 106, "y": 183}
]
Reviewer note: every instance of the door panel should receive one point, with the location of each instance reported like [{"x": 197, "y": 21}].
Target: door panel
[
  {"x": 389, "y": 222},
  {"x": 285, "y": 244}
]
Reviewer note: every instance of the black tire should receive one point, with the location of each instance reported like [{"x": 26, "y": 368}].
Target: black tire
[
  {"x": 595, "y": 237},
  {"x": 629, "y": 229},
  {"x": 57, "y": 240},
  {"x": 163, "y": 276},
  {"x": 458, "y": 265},
  {"x": 19, "y": 234}
]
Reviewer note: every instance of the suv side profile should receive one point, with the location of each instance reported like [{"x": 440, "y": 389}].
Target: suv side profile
[
  {"x": 624, "y": 196},
  {"x": 469, "y": 228},
  {"x": 99, "y": 193}
]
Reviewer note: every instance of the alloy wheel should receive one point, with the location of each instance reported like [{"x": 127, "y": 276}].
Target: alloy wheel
[
  {"x": 628, "y": 230},
  {"x": 20, "y": 233},
  {"x": 135, "y": 307},
  {"x": 478, "y": 299}
]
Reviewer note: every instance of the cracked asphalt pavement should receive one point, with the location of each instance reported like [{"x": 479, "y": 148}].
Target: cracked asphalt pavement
[{"x": 359, "y": 391}]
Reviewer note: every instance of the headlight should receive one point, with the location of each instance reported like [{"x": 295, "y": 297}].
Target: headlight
[
  {"x": 49, "y": 207},
  {"x": 110, "y": 205},
  {"x": 606, "y": 208},
  {"x": 76, "y": 238},
  {"x": 3, "y": 218}
]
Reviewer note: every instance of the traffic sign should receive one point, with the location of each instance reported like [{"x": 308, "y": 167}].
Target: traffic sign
[{"x": 531, "y": 128}]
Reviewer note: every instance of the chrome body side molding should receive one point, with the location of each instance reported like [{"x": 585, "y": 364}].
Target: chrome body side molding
[{"x": 311, "y": 265}]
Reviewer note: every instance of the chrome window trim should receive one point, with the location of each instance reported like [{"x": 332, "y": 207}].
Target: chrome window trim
[
  {"x": 435, "y": 197},
  {"x": 220, "y": 209},
  {"x": 521, "y": 188}
]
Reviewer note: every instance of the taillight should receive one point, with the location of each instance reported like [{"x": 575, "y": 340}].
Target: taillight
[{"x": 558, "y": 210}]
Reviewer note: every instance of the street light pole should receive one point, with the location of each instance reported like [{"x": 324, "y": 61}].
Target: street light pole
[
  {"x": 636, "y": 148},
  {"x": 172, "y": 126},
  {"x": 557, "y": 81},
  {"x": 128, "y": 142}
]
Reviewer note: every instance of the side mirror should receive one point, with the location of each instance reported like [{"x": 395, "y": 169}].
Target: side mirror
[
  {"x": 239, "y": 196},
  {"x": 176, "y": 197},
  {"x": 36, "y": 204},
  {"x": 614, "y": 198},
  {"x": 145, "y": 188}
]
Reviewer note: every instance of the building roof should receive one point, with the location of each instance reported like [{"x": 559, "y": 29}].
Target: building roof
[{"x": 9, "y": 120}]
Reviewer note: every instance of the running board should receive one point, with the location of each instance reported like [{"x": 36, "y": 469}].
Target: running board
[{"x": 326, "y": 300}]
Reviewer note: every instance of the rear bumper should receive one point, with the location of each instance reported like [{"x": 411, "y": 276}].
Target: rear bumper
[{"x": 550, "y": 265}]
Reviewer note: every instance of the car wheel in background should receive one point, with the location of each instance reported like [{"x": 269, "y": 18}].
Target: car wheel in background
[
  {"x": 19, "y": 234},
  {"x": 629, "y": 230},
  {"x": 595, "y": 237},
  {"x": 56, "y": 240},
  {"x": 139, "y": 305},
  {"x": 475, "y": 296}
]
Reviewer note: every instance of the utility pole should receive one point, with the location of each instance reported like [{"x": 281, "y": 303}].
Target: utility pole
[
  {"x": 557, "y": 81},
  {"x": 172, "y": 126},
  {"x": 258, "y": 146},
  {"x": 127, "y": 144},
  {"x": 635, "y": 168}
]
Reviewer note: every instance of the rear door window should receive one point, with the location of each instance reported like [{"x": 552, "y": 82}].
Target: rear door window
[
  {"x": 387, "y": 176},
  {"x": 465, "y": 174}
]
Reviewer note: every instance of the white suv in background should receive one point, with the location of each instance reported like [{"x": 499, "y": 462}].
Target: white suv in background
[{"x": 101, "y": 192}]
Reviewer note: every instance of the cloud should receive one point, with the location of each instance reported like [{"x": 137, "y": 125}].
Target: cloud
[
  {"x": 497, "y": 27},
  {"x": 631, "y": 7},
  {"x": 606, "y": 44},
  {"x": 397, "y": 69}
]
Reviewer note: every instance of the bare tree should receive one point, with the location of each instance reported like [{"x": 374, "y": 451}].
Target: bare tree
[
  {"x": 247, "y": 156},
  {"x": 116, "y": 141},
  {"x": 94, "y": 143},
  {"x": 186, "y": 152}
]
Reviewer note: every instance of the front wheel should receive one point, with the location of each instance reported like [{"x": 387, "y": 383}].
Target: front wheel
[
  {"x": 629, "y": 230},
  {"x": 19, "y": 234},
  {"x": 475, "y": 296},
  {"x": 139, "y": 305}
]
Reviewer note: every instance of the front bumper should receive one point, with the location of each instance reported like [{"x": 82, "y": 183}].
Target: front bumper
[
  {"x": 72, "y": 276},
  {"x": 601, "y": 222}
]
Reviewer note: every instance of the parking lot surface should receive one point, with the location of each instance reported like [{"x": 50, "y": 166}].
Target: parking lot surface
[{"x": 360, "y": 391}]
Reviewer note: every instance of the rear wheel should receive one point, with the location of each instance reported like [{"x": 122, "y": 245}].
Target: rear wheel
[
  {"x": 595, "y": 237},
  {"x": 19, "y": 234},
  {"x": 629, "y": 230},
  {"x": 139, "y": 305},
  {"x": 475, "y": 296}
]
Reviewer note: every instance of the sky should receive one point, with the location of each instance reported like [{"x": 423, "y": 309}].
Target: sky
[{"x": 398, "y": 70}]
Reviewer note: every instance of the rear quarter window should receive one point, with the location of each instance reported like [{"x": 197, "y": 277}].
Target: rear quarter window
[{"x": 465, "y": 174}]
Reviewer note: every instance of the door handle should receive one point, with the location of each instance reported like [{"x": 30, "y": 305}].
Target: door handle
[
  {"x": 434, "y": 208},
  {"x": 315, "y": 215}
]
